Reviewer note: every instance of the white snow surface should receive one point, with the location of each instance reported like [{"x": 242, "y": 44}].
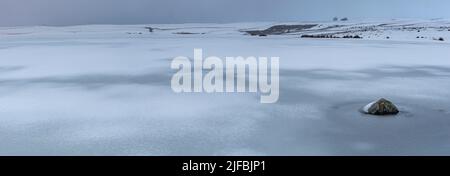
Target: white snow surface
[
  {"x": 367, "y": 107},
  {"x": 105, "y": 90}
]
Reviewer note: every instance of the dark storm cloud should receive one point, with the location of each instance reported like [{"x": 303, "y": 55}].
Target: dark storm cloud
[{"x": 69, "y": 12}]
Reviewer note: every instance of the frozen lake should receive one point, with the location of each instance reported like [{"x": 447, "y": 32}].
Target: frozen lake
[{"x": 105, "y": 90}]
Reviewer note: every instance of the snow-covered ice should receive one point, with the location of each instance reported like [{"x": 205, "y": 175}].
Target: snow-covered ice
[{"x": 105, "y": 90}]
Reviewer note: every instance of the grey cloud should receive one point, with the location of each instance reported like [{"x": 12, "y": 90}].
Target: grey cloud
[{"x": 71, "y": 12}]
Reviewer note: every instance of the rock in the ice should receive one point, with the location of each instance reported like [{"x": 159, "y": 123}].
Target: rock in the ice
[{"x": 380, "y": 107}]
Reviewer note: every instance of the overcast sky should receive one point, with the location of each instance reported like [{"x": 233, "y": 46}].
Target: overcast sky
[{"x": 72, "y": 12}]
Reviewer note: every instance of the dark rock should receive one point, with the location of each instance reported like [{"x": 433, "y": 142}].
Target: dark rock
[
  {"x": 353, "y": 36},
  {"x": 381, "y": 107},
  {"x": 281, "y": 29},
  {"x": 187, "y": 33},
  {"x": 150, "y": 29},
  {"x": 331, "y": 36}
]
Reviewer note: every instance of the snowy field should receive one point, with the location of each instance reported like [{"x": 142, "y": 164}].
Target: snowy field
[{"x": 105, "y": 90}]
